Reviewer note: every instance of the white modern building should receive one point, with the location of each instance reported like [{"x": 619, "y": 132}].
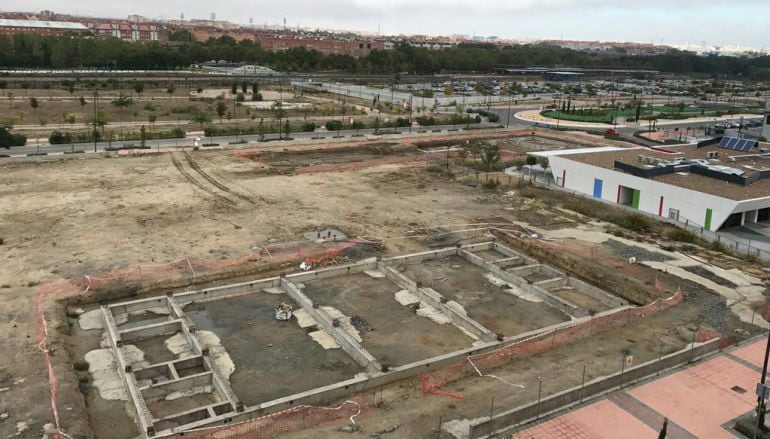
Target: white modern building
[
  {"x": 714, "y": 185},
  {"x": 766, "y": 121}
]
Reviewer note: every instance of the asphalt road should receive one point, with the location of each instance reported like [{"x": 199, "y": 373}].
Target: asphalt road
[{"x": 189, "y": 142}]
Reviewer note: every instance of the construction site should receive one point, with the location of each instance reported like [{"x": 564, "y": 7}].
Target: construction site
[{"x": 370, "y": 286}]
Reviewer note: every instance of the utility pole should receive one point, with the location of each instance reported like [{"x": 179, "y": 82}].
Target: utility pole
[
  {"x": 508, "y": 115},
  {"x": 96, "y": 133}
]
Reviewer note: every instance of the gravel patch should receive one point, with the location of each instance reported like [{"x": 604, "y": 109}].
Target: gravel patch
[
  {"x": 713, "y": 277},
  {"x": 641, "y": 254}
]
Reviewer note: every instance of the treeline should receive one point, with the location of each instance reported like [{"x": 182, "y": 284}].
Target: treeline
[{"x": 33, "y": 51}]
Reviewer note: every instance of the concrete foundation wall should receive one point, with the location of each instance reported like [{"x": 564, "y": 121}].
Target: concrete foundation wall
[
  {"x": 346, "y": 342},
  {"x": 521, "y": 283},
  {"x": 536, "y": 268},
  {"x": 436, "y": 300},
  {"x": 597, "y": 293},
  {"x": 423, "y": 256},
  {"x": 227, "y": 290},
  {"x": 325, "y": 273},
  {"x": 508, "y": 419},
  {"x": 512, "y": 253},
  {"x": 161, "y": 390}
]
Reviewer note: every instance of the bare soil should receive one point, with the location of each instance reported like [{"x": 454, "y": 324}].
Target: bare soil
[{"x": 81, "y": 216}]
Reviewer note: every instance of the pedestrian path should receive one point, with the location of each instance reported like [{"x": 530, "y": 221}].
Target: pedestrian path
[{"x": 700, "y": 401}]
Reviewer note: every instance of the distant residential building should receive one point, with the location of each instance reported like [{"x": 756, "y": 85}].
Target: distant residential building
[
  {"x": 39, "y": 27},
  {"x": 275, "y": 41},
  {"x": 124, "y": 30}
]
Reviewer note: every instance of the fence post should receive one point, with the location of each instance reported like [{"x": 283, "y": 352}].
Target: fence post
[
  {"x": 539, "y": 393},
  {"x": 491, "y": 412}
]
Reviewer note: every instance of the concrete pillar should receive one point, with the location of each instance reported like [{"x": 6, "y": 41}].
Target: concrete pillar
[
  {"x": 750, "y": 216},
  {"x": 139, "y": 407}
]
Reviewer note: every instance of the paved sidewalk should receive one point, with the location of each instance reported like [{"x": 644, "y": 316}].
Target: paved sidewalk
[{"x": 697, "y": 401}]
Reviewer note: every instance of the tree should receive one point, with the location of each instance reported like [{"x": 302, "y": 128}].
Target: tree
[
  {"x": 34, "y": 104},
  {"x": 221, "y": 109},
  {"x": 663, "y": 431},
  {"x": 254, "y": 88},
  {"x": 121, "y": 103},
  {"x": 201, "y": 117},
  {"x": 152, "y": 118},
  {"x": 475, "y": 149},
  {"x": 531, "y": 160},
  {"x": 101, "y": 120},
  {"x": 287, "y": 129},
  {"x": 233, "y": 88},
  {"x": 448, "y": 90},
  {"x": 357, "y": 125},
  {"x": 138, "y": 88},
  {"x": 170, "y": 89},
  {"x": 240, "y": 97},
  {"x": 82, "y": 101},
  {"x": 490, "y": 155},
  {"x": 278, "y": 113},
  {"x": 143, "y": 136},
  {"x": 70, "y": 118},
  {"x": 244, "y": 87}
]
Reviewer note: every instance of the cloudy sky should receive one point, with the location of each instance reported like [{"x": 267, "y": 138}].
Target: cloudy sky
[{"x": 715, "y": 22}]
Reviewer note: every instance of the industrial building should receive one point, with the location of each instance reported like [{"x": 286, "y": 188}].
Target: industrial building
[
  {"x": 39, "y": 27},
  {"x": 714, "y": 185}
]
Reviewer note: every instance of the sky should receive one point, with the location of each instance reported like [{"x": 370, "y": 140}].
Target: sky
[{"x": 713, "y": 22}]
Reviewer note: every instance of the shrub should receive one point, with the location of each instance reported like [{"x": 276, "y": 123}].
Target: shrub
[
  {"x": 308, "y": 127},
  {"x": 426, "y": 121},
  {"x": 81, "y": 365},
  {"x": 681, "y": 236},
  {"x": 333, "y": 125},
  {"x": 635, "y": 222},
  {"x": 7, "y": 139}
]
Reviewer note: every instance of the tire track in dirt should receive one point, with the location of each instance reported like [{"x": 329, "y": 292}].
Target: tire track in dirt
[
  {"x": 196, "y": 183},
  {"x": 194, "y": 165}
]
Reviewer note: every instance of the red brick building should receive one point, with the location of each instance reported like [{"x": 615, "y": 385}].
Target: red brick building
[
  {"x": 276, "y": 40},
  {"x": 39, "y": 27}
]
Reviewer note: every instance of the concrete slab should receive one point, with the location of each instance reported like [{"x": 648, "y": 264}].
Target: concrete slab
[
  {"x": 458, "y": 280},
  {"x": 390, "y": 331},
  {"x": 264, "y": 349}
]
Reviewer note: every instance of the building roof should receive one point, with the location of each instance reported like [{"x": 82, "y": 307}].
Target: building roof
[
  {"x": 751, "y": 163},
  {"x": 42, "y": 24}
]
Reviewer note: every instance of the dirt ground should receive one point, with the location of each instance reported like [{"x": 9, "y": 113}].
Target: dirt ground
[
  {"x": 76, "y": 217},
  {"x": 417, "y": 416},
  {"x": 486, "y": 303},
  {"x": 392, "y": 332}
]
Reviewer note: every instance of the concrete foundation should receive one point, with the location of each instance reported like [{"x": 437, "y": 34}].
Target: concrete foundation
[{"x": 165, "y": 378}]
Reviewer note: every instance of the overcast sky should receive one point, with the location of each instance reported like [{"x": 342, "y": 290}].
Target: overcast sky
[{"x": 733, "y": 22}]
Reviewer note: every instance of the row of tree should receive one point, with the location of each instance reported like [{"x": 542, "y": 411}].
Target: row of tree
[{"x": 71, "y": 51}]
